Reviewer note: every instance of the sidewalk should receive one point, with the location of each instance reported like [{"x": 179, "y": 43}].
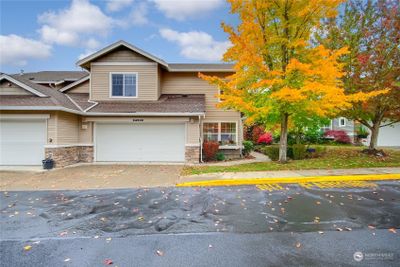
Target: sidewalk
[{"x": 287, "y": 174}]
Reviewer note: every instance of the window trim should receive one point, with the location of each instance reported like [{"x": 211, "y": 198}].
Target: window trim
[
  {"x": 340, "y": 120},
  {"x": 234, "y": 146},
  {"x": 123, "y": 73}
]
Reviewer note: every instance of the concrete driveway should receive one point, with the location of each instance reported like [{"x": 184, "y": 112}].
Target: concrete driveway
[{"x": 92, "y": 177}]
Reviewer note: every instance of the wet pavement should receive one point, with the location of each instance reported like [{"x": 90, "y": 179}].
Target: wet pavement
[{"x": 224, "y": 226}]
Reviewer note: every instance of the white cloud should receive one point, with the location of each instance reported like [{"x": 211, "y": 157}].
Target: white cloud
[
  {"x": 16, "y": 50},
  {"x": 196, "y": 44},
  {"x": 182, "y": 9},
  {"x": 66, "y": 27},
  {"x": 139, "y": 14},
  {"x": 117, "y": 5}
]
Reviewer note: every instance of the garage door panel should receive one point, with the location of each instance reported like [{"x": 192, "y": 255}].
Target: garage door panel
[
  {"x": 22, "y": 142},
  {"x": 145, "y": 142},
  {"x": 389, "y": 135}
]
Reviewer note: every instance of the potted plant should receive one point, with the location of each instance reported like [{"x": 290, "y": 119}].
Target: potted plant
[
  {"x": 48, "y": 163},
  {"x": 362, "y": 132}
]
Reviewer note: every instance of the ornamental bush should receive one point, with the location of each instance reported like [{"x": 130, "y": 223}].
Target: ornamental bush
[
  {"x": 339, "y": 136},
  {"x": 210, "y": 150},
  {"x": 256, "y": 133},
  {"x": 265, "y": 139},
  {"x": 247, "y": 147}
]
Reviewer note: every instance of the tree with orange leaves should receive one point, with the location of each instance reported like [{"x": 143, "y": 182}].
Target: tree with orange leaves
[{"x": 279, "y": 74}]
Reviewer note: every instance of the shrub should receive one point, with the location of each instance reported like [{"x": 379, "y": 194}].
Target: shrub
[
  {"x": 339, "y": 136},
  {"x": 299, "y": 151},
  {"x": 265, "y": 139},
  {"x": 247, "y": 147},
  {"x": 314, "y": 137},
  {"x": 256, "y": 132},
  {"x": 362, "y": 132},
  {"x": 272, "y": 152},
  {"x": 220, "y": 156},
  {"x": 210, "y": 150}
]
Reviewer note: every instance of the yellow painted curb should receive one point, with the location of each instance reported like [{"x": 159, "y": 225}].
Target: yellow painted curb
[{"x": 292, "y": 180}]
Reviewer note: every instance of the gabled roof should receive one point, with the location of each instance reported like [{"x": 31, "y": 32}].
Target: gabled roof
[
  {"x": 118, "y": 44},
  {"x": 57, "y": 99},
  {"x": 71, "y": 85},
  {"x": 53, "y": 76},
  {"x": 22, "y": 85}
]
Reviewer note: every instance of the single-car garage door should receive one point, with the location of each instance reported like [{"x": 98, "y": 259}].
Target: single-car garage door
[
  {"x": 22, "y": 142},
  {"x": 140, "y": 142}
]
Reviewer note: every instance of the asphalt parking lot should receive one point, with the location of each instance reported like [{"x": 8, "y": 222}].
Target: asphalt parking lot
[{"x": 227, "y": 226}]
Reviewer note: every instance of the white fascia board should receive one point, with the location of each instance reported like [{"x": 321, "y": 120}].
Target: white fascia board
[
  {"x": 24, "y": 116},
  {"x": 160, "y": 114},
  {"x": 26, "y": 87},
  {"x": 52, "y": 108},
  {"x": 69, "y": 86}
]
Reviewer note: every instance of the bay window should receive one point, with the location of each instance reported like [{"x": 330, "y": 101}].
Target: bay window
[{"x": 223, "y": 132}]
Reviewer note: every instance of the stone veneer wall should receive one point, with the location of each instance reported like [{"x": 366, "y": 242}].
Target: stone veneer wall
[
  {"x": 231, "y": 153},
  {"x": 64, "y": 156},
  {"x": 192, "y": 154}
]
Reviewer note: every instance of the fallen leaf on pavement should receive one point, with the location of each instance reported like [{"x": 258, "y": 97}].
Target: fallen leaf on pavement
[
  {"x": 318, "y": 203},
  {"x": 298, "y": 245},
  {"x": 392, "y": 230},
  {"x": 320, "y": 232},
  {"x": 26, "y": 248},
  {"x": 339, "y": 229},
  {"x": 67, "y": 259},
  {"x": 108, "y": 262},
  {"x": 371, "y": 226},
  {"x": 160, "y": 253},
  {"x": 348, "y": 228}
]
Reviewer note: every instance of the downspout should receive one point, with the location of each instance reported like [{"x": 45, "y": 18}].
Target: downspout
[{"x": 200, "y": 141}]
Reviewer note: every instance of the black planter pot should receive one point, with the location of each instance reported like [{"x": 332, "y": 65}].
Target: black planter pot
[{"x": 48, "y": 164}]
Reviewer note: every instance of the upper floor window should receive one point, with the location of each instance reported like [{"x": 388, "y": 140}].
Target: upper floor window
[
  {"x": 123, "y": 84},
  {"x": 342, "y": 122}
]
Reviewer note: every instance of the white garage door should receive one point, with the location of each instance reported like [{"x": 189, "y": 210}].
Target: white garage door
[
  {"x": 389, "y": 135},
  {"x": 22, "y": 142},
  {"x": 140, "y": 142}
]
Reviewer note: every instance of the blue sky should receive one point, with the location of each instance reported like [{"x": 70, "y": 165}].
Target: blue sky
[{"x": 53, "y": 35}]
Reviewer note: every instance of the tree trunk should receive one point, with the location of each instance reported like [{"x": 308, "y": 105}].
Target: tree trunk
[
  {"x": 374, "y": 136},
  {"x": 283, "y": 139}
]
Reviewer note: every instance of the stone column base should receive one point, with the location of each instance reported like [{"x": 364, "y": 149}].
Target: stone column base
[
  {"x": 64, "y": 156},
  {"x": 192, "y": 154}
]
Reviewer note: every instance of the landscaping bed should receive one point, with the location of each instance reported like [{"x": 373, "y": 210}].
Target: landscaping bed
[{"x": 336, "y": 157}]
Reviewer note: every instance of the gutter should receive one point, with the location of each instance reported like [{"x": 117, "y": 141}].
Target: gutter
[{"x": 83, "y": 113}]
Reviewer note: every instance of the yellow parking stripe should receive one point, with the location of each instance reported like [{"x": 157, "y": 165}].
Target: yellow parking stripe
[{"x": 292, "y": 180}]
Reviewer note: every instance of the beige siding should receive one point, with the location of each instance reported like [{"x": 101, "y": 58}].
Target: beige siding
[
  {"x": 192, "y": 132},
  {"x": 123, "y": 54},
  {"x": 189, "y": 83},
  {"x": 85, "y": 135},
  {"x": 80, "y": 88},
  {"x": 67, "y": 128},
  {"x": 8, "y": 88},
  {"x": 147, "y": 81}
]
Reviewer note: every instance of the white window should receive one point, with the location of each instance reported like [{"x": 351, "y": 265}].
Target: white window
[
  {"x": 223, "y": 132},
  {"x": 342, "y": 122},
  {"x": 123, "y": 84}
]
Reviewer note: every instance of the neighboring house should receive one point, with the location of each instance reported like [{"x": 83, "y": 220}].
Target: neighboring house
[
  {"x": 127, "y": 106},
  {"x": 342, "y": 124},
  {"x": 389, "y": 136}
]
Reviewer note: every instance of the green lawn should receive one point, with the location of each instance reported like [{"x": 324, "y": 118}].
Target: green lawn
[{"x": 335, "y": 158}]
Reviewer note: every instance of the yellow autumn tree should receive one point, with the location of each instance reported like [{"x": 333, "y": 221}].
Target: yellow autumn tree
[{"x": 279, "y": 74}]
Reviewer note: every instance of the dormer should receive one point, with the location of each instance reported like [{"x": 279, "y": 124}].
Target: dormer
[{"x": 123, "y": 72}]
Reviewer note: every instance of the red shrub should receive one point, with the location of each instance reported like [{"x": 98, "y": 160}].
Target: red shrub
[
  {"x": 265, "y": 139},
  {"x": 210, "y": 149},
  {"x": 339, "y": 136},
  {"x": 256, "y": 132}
]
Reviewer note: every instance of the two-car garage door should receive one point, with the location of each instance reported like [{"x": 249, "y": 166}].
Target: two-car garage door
[{"x": 140, "y": 142}]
